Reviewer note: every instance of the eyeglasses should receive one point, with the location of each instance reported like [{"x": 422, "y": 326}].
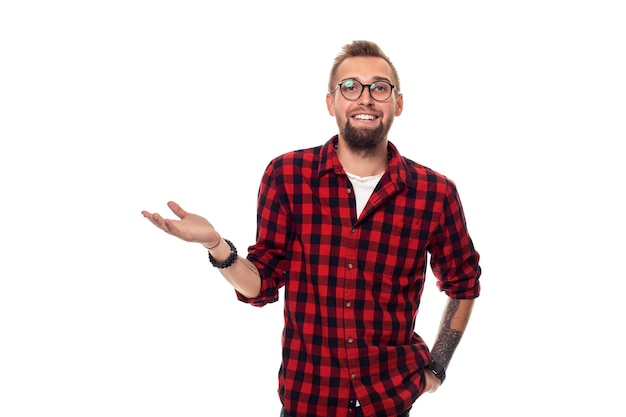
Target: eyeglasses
[{"x": 352, "y": 89}]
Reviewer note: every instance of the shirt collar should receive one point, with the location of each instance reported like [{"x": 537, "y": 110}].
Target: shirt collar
[
  {"x": 329, "y": 161},
  {"x": 397, "y": 168}
]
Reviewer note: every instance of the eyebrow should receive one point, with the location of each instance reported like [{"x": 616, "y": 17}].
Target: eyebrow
[{"x": 376, "y": 78}]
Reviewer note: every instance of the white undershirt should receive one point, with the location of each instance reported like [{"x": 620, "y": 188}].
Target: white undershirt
[{"x": 363, "y": 189}]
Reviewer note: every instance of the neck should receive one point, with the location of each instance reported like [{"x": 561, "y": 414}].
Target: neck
[{"x": 363, "y": 162}]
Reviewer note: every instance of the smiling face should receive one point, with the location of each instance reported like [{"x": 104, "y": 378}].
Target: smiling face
[{"x": 364, "y": 123}]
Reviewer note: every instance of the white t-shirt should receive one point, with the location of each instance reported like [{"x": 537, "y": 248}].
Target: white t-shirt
[{"x": 363, "y": 189}]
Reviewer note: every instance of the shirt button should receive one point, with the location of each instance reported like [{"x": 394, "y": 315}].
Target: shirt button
[
  {"x": 348, "y": 304},
  {"x": 349, "y": 190},
  {"x": 353, "y": 230},
  {"x": 350, "y": 266},
  {"x": 353, "y": 376},
  {"x": 350, "y": 340}
]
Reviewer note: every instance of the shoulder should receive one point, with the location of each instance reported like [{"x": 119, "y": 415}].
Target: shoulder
[
  {"x": 415, "y": 175},
  {"x": 296, "y": 160},
  {"x": 293, "y": 167},
  {"x": 423, "y": 176}
]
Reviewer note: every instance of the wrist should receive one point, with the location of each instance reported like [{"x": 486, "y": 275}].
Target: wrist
[
  {"x": 215, "y": 244},
  {"x": 438, "y": 370}
]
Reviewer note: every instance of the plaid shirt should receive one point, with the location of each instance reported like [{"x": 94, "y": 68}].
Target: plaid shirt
[{"x": 353, "y": 285}]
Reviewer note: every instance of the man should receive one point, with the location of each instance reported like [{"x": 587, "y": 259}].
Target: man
[{"x": 346, "y": 228}]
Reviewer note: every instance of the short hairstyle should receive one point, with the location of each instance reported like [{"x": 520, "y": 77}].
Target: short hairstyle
[{"x": 361, "y": 48}]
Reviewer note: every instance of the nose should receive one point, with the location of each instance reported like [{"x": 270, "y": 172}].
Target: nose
[{"x": 366, "y": 96}]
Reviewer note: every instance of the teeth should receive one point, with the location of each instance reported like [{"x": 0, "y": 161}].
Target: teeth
[{"x": 364, "y": 117}]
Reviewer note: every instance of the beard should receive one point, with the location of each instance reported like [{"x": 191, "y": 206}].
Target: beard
[{"x": 364, "y": 140}]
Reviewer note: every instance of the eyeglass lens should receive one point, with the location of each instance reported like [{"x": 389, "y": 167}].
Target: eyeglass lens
[{"x": 352, "y": 89}]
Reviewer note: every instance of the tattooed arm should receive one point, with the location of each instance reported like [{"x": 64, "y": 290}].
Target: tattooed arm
[{"x": 453, "y": 324}]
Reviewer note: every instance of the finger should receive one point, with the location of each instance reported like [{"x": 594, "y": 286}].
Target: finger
[
  {"x": 177, "y": 210},
  {"x": 170, "y": 227},
  {"x": 156, "y": 220},
  {"x": 163, "y": 224},
  {"x": 151, "y": 218},
  {"x": 167, "y": 225}
]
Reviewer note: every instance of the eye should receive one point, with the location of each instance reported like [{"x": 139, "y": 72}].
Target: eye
[
  {"x": 349, "y": 85},
  {"x": 380, "y": 87}
]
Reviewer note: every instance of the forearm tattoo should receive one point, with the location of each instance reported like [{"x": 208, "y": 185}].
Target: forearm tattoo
[
  {"x": 448, "y": 338},
  {"x": 251, "y": 267}
]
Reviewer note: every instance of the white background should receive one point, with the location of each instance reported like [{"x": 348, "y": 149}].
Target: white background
[{"x": 110, "y": 108}]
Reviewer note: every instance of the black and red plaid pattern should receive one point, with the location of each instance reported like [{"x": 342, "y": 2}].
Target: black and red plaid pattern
[{"x": 353, "y": 286}]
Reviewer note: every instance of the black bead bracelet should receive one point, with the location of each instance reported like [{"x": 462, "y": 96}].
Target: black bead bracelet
[{"x": 229, "y": 261}]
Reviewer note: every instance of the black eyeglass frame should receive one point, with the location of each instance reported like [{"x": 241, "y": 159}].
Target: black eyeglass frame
[{"x": 369, "y": 89}]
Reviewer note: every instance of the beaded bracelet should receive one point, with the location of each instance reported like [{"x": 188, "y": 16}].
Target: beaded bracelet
[{"x": 229, "y": 261}]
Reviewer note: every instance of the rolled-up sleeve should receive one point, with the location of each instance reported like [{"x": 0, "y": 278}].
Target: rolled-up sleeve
[
  {"x": 269, "y": 252},
  {"x": 454, "y": 261}
]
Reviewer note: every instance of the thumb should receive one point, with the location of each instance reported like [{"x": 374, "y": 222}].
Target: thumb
[{"x": 177, "y": 210}]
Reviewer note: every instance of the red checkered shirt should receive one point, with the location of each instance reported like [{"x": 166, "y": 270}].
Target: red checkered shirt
[{"x": 353, "y": 285}]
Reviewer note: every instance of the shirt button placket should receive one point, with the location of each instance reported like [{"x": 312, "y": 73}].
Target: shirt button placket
[{"x": 350, "y": 335}]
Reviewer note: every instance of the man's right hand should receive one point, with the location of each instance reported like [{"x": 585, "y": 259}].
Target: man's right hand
[{"x": 190, "y": 227}]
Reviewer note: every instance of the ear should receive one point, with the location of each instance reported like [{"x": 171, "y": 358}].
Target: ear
[
  {"x": 330, "y": 104},
  {"x": 399, "y": 104}
]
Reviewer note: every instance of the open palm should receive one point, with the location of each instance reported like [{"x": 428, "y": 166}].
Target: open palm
[{"x": 190, "y": 227}]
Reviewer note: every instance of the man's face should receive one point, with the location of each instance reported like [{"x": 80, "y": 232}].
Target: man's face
[{"x": 364, "y": 122}]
